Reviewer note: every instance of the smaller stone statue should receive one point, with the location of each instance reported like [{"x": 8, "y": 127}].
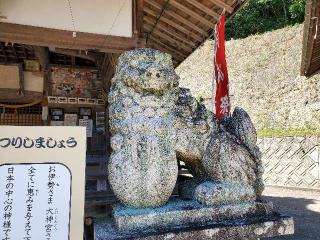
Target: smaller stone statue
[
  {"x": 225, "y": 155},
  {"x": 232, "y": 155}
]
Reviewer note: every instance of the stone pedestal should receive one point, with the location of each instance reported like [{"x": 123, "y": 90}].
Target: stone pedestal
[
  {"x": 181, "y": 219},
  {"x": 183, "y": 213},
  {"x": 239, "y": 229}
]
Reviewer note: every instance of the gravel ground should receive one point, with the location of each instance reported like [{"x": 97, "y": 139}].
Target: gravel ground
[{"x": 303, "y": 206}]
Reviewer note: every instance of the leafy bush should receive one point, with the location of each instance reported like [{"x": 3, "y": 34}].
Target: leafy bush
[
  {"x": 296, "y": 10},
  {"x": 259, "y": 16}
]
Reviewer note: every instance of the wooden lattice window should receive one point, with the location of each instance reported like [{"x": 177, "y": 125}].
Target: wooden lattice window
[{"x": 27, "y": 116}]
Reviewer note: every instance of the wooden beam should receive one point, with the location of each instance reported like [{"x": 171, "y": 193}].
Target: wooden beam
[
  {"x": 138, "y": 18},
  {"x": 4, "y": 51},
  {"x": 176, "y": 43},
  {"x": 76, "y": 53},
  {"x": 42, "y": 53},
  {"x": 223, "y": 5},
  {"x": 162, "y": 48},
  {"x": 174, "y": 57},
  {"x": 204, "y": 8},
  {"x": 169, "y": 37},
  {"x": 14, "y": 52},
  {"x": 190, "y": 12},
  {"x": 179, "y": 55},
  {"x": 175, "y": 25},
  {"x": 178, "y": 18},
  {"x": 183, "y": 38},
  {"x": 39, "y": 36}
]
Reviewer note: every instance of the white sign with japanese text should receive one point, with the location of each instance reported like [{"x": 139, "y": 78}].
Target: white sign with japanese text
[
  {"x": 42, "y": 181},
  {"x": 88, "y": 123}
]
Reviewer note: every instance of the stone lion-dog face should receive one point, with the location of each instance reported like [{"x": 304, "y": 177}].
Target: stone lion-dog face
[{"x": 148, "y": 71}]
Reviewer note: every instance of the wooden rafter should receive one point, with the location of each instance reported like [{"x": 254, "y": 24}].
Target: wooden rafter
[
  {"x": 177, "y": 17},
  {"x": 179, "y": 55},
  {"x": 223, "y": 5},
  {"x": 204, "y": 8},
  {"x": 166, "y": 28},
  {"x": 175, "y": 58},
  {"x": 175, "y": 25},
  {"x": 192, "y": 13},
  {"x": 178, "y": 44},
  {"x": 178, "y": 25}
]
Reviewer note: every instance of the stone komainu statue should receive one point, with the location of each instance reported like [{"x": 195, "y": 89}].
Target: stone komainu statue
[
  {"x": 227, "y": 153},
  {"x": 153, "y": 123},
  {"x": 143, "y": 166}
]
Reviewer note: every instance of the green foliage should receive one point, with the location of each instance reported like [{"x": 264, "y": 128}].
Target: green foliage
[
  {"x": 259, "y": 16},
  {"x": 296, "y": 10},
  {"x": 199, "y": 98}
]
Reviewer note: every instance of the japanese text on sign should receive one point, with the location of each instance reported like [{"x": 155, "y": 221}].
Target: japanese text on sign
[
  {"x": 41, "y": 142},
  {"x": 33, "y": 206}
]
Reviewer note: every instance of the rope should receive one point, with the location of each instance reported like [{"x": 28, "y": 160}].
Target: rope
[
  {"x": 114, "y": 21},
  {"x": 74, "y": 33},
  {"x": 116, "y": 18},
  {"x": 21, "y": 105},
  {"x": 158, "y": 19},
  {"x": 71, "y": 14}
]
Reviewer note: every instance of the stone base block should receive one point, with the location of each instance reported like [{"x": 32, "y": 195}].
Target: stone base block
[
  {"x": 210, "y": 193},
  {"x": 179, "y": 213},
  {"x": 239, "y": 229}
]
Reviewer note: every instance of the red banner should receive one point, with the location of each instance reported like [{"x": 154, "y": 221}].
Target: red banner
[{"x": 222, "y": 100}]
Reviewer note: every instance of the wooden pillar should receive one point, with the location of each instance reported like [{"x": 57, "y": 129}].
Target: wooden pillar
[
  {"x": 42, "y": 53},
  {"x": 138, "y": 18}
]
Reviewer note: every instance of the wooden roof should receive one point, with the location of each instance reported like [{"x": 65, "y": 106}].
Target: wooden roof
[
  {"x": 178, "y": 27},
  {"x": 310, "y": 63}
]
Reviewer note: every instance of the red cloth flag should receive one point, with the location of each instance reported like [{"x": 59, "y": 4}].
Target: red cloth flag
[{"x": 222, "y": 100}]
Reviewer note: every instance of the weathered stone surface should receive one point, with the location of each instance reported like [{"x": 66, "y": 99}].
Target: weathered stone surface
[
  {"x": 241, "y": 126},
  {"x": 194, "y": 125},
  {"x": 183, "y": 213},
  {"x": 226, "y": 160},
  {"x": 143, "y": 169},
  {"x": 227, "y": 153},
  {"x": 187, "y": 188},
  {"x": 238, "y": 229},
  {"x": 152, "y": 122},
  {"x": 211, "y": 193},
  {"x": 232, "y": 155}
]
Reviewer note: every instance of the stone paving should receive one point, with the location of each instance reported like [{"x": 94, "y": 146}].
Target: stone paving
[{"x": 303, "y": 206}]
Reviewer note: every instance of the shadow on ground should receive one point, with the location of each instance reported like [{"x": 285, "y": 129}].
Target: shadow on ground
[{"x": 303, "y": 206}]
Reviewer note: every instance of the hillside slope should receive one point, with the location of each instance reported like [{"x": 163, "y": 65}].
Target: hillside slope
[{"x": 264, "y": 79}]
